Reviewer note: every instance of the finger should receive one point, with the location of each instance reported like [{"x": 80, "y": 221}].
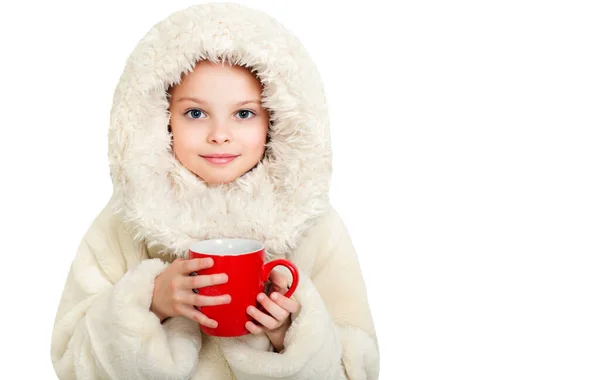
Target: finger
[
  {"x": 195, "y": 315},
  {"x": 200, "y": 301},
  {"x": 288, "y": 304},
  {"x": 276, "y": 288},
  {"x": 193, "y": 265},
  {"x": 279, "y": 279},
  {"x": 254, "y": 329},
  {"x": 274, "y": 309},
  {"x": 200, "y": 281},
  {"x": 266, "y": 320}
]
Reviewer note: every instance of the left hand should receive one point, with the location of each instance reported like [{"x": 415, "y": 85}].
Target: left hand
[{"x": 278, "y": 307}]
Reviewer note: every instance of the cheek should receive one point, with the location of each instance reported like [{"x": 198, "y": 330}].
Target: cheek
[
  {"x": 185, "y": 139},
  {"x": 184, "y": 152},
  {"x": 255, "y": 138}
]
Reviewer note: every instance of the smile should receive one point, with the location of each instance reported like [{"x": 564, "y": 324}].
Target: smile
[{"x": 220, "y": 159}]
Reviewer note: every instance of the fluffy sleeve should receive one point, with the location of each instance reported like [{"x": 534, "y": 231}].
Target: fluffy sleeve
[
  {"x": 104, "y": 328},
  {"x": 332, "y": 336}
]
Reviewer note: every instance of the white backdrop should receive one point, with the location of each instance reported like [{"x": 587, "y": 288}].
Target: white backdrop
[{"x": 466, "y": 153}]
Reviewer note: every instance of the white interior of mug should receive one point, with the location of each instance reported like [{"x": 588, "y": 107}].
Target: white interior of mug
[{"x": 226, "y": 247}]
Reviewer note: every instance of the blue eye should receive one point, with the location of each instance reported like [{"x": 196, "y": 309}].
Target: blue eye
[
  {"x": 245, "y": 114},
  {"x": 195, "y": 113}
]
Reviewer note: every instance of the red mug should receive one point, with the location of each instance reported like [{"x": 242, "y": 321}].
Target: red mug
[{"x": 244, "y": 263}]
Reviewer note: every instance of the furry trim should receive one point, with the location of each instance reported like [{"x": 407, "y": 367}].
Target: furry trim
[
  {"x": 167, "y": 206},
  {"x": 123, "y": 331}
]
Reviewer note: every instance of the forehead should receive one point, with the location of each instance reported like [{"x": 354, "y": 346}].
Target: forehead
[{"x": 218, "y": 80}]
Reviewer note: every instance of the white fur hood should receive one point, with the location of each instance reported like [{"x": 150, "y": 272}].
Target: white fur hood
[{"x": 167, "y": 206}]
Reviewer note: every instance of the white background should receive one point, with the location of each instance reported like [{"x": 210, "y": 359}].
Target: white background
[{"x": 466, "y": 144}]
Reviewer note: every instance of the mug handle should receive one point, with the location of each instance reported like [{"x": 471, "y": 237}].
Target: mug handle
[{"x": 268, "y": 267}]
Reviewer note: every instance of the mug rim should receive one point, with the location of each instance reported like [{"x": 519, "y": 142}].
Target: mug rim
[{"x": 255, "y": 246}]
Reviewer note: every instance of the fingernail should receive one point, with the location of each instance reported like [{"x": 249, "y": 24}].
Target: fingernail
[
  {"x": 250, "y": 309},
  {"x": 261, "y": 296},
  {"x": 275, "y": 296}
]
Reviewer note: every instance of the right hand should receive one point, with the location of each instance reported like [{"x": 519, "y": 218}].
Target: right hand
[{"x": 173, "y": 291}]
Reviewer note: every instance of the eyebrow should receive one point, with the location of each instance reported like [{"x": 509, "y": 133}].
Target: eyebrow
[{"x": 199, "y": 101}]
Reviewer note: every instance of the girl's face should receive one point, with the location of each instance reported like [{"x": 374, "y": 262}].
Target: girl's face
[{"x": 218, "y": 124}]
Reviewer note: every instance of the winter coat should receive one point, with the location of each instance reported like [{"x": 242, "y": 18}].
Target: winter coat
[{"x": 104, "y": 328}]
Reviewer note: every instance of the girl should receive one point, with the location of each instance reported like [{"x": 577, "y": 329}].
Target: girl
[{"x": 219, "y": 128}]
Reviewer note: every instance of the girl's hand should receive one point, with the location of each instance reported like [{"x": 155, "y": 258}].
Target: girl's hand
[
  {"x": 276, "y": 323},
  {"x": 174, "y": 291}
]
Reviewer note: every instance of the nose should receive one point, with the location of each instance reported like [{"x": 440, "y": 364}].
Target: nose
[{"x": 219, "y": 134}]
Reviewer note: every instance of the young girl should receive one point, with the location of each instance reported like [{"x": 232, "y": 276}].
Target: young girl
[{"x": 219, "y": 128}]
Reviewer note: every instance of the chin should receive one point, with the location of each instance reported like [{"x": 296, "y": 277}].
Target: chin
[
  {"x": 215, "y": 177},
  {"x": 218, "y": 180}
]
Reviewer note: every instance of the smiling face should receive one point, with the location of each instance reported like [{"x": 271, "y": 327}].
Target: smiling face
[{"x": 218, "y": 124}]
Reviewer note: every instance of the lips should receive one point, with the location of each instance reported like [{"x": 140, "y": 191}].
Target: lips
[{"x": 220, "y": 158}]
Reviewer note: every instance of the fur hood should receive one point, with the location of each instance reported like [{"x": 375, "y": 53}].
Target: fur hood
[{"x": 168, "y": 207}]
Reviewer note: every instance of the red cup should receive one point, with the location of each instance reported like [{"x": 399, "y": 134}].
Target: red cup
[{"x": 244, "y": 263}]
